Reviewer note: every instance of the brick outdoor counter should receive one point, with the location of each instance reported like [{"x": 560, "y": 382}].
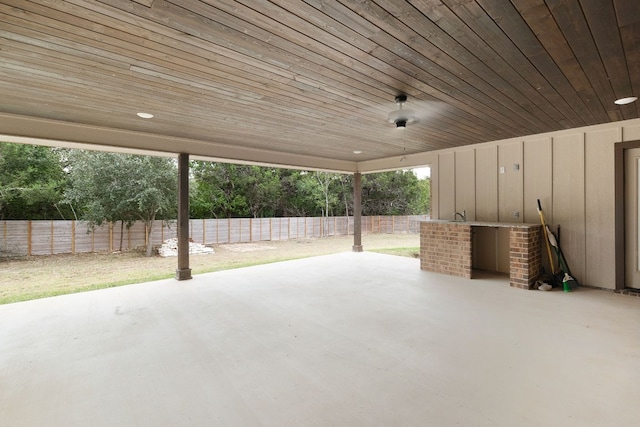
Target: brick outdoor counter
[{"x": 446, "y": 247}]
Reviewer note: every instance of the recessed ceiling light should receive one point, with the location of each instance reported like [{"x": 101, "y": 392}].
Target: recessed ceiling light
[
  {"x": 357, "y": 152},
  {"x": 145, "y": 115},
  {"x": 625, "y": 101}
]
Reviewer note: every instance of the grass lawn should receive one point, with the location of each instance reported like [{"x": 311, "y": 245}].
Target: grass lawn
[{"x": 46, "y": 276}]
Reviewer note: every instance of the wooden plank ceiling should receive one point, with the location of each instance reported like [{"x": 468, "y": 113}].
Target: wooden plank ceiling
[{"x": 318, "y": 78}]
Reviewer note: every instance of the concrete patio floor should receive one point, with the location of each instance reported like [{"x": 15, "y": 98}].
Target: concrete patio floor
[{"x": 353, "y": 339}]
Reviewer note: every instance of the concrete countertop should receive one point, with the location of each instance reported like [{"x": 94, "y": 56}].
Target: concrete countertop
[{"x": 484, "y": 223}]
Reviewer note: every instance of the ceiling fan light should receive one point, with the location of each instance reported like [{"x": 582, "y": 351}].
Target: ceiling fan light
[
  {"x": 405, "y": 115},
  {"x": 401, "y": 117}
]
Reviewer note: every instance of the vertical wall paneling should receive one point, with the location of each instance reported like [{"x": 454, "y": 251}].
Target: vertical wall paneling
[
  {"x": 600, "y": 208},
  {"x": 537, "y": 179},
  {"x": 630, "y": 133},
  {"x": 510, "y": 182},
  {"x": 569, "y": 199},
  {"x": 447, "y": 185},
  {"x": 435, "y": 191},
  {"x": 466, "y": 183},
  {"x": 486, "y": 183}
]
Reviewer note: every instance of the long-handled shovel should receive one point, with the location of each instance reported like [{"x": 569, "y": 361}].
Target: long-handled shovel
[{"x": 546, "y": 239}]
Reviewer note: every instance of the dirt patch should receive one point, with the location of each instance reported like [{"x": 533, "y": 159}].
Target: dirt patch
[{"x": 35, "y": 277}]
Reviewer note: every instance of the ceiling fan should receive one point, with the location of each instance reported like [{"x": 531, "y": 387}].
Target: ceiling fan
[
  {"x": 425, "y": 111},
  {"x": 402, "y": 117}
]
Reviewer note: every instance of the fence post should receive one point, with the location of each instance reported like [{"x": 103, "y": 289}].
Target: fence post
[
  {"x": 51, "y": 241},
  {"x": 29, "y": 237},
  {"x": 110, "y": 236},
  {"x": 73, "y": 237}
]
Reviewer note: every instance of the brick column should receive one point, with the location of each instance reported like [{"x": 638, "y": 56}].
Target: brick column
[{"x": 525, "y": 256}]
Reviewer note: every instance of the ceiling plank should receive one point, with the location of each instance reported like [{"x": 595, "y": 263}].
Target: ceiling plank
[
  {"x": 516, "y": 28},
  {"x": 629, "y": 23},
  {"x": 601, "y": 18}
]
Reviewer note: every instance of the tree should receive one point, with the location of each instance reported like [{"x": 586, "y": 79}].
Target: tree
[
  {"x": 315, "y": 193},
  {"x": 227, "y": 190},
  {"x": 262, "y": 189},
  {"x": 393, "y": 193},
  {"x": 112, "y": 187},
  {"x": 346, "y": 192},
  {"x": 422, "y": 203},
  {"x": 293, "y": 203},
  {"x": 32, "y": 182}
]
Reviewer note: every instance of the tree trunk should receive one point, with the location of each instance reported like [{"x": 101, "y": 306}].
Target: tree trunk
[
  {"x": 149, "y": 224},
  {"x": 121, "y": 234}
]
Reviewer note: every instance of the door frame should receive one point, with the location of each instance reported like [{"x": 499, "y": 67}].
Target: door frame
[{"x": 619, "y": 210}]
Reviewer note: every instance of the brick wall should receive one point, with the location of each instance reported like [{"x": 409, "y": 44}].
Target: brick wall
[
  {"x": 525, "y": 256},
  {"x": 446, "y": 248}
]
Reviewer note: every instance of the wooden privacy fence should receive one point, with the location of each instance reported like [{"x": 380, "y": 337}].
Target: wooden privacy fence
[{"x": 60, "y": 237}]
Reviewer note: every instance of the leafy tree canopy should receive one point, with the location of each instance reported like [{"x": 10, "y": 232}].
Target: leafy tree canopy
[
  {"x": 32, "y": 182},
  {"x": 113, "y": 187},
  {"x": 394, "y": 193},
  {"x": 228, "y": 190},
  {"x": 224, "y": 190}
]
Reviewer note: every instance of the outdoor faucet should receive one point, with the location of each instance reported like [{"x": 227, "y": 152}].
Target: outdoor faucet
[{"x": 462, "y": 215}]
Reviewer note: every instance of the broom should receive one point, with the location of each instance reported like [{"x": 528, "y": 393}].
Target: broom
[
  {"x": 568, "y": 282},
  {"x": 546, "y": 239}
]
